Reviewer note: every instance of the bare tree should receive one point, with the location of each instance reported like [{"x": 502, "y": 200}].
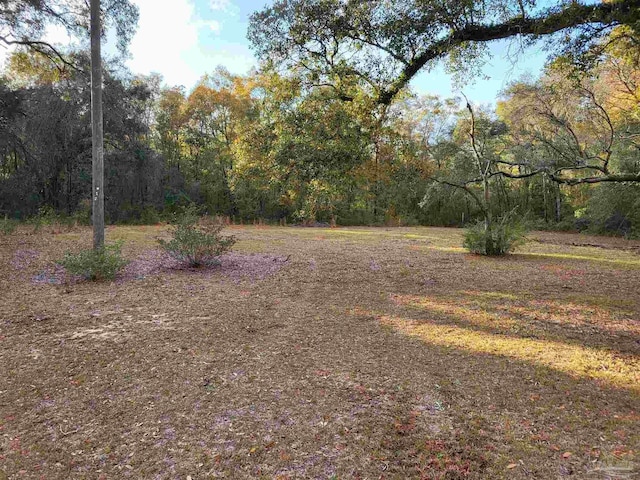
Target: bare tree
[{"x": 97, "y": 128}]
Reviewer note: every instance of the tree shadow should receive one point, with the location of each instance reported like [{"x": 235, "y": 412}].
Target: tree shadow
[
  {"x": 514, "y": 409},
  {"x": 519, "y": 315}
]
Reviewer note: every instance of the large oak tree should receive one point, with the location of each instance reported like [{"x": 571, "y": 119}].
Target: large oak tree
[{"x": 383, "y": 44}]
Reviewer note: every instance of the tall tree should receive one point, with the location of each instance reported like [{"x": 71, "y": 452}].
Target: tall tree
[
  {"x": 97, "y": 130},
  {"x": 383, "y": 44},
  {"x": 573, "y": 145}
]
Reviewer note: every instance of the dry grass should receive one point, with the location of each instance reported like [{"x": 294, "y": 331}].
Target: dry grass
[{"x": 323, "y": 353}]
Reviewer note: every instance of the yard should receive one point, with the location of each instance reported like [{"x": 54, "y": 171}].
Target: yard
[{"x": 349, "y": 353}]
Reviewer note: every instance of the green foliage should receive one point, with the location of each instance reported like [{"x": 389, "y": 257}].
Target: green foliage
[
  {"x": 499, "y": 239},
  {"x": 101, "y": 264},
  {"x": 387, "y": 43},
  {"x": 46, "y": 216},
  {"x": 8, "y": 225},
  {"x": 614, "y": 209},
  {"x": 55, "y": 221},
  {"x": 82, "y": 216},
  {"x": 138, "y": 215},
  {"x": 196, "y": 242},
  {"x": 268, "y": 146}
]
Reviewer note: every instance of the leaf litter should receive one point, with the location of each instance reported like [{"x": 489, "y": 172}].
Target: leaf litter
[{"x": 280, "y": 364}]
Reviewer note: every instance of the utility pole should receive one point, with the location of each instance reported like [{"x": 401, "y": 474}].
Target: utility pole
[{"x": 97, "y": 193}]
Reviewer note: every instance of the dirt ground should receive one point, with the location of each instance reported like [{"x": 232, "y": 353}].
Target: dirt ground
[{"x": 349, "y": 353}]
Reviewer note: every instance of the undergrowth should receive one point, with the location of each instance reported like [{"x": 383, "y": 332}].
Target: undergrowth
[
  {"x": 196, "y": 242},
  {"x": 500, "y": 238},
  {"x": 95, "y": 264}
]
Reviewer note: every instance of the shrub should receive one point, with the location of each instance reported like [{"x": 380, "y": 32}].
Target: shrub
[
  {"x": 46, "y": 216},
  {"x": 197, "y": 242},
  {"x": 101, "y": 264},
  {"x": 149, "y": 216},
  {"x": 502, "y": 237},
  {"x": 82, "y": 215},
  {"x": 8, "y": 225}
]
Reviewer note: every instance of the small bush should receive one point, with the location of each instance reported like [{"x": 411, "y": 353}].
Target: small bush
[
  {"x": 8, "y": 225},
  {"x": 54, "y": 221},
  {"x": 197, "y": 242},
  {"x": 149, "y": 216},
  {"x": 502, "y": 237},
  {"x": 82, "y": 215},
  {"x": 101, "y": 264}
]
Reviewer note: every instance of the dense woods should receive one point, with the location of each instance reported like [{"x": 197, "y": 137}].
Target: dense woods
[{"x": 289, "y": 144}]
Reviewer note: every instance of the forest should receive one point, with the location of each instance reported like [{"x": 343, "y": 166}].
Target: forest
[{"x": 284, "y": 144}]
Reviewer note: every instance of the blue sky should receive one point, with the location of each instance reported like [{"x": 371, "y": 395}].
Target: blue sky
[{"x": 189, "y": 38}]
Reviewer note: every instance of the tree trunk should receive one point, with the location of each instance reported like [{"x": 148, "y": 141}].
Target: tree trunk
[
  {"x": 97, "y": 128},
  {"x": 487, "y": 216},
  {"x": 558, "y": 204},
  {"x": 544, "y": 197},
  {"x": 487, "y": 199}
]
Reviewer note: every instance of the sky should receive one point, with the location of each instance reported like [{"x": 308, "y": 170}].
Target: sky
[{"x": 185, "y": 39}]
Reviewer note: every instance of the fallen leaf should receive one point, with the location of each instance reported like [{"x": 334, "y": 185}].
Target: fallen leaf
[
  {"x": 566, "y": 454},
  {"x": 511, "y": 466}
]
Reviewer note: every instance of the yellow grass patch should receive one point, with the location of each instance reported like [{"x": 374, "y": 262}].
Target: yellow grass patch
[{"x": 571, "y": 359}]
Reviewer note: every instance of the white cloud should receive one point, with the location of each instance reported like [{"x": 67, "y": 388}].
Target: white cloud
[
  {"x": 214, "y": 25},
  {"x": 176, "y": 42},
  {"x": 4, "y": 53},
  {"x": 164, "y": 39},
  {"x": 224, "y": 6},
  {"x": 182, "y": 46}
]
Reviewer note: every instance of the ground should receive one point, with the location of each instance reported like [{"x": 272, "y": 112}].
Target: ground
[{"x": 349, "y": 353}]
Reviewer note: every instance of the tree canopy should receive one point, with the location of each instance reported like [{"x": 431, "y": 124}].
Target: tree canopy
[
  {"x": 24, "y": 23},
  {"x": 383, "y": 44}
]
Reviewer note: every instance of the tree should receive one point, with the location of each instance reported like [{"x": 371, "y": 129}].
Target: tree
[
  {"x": 576, "y": 127},
  {"x": 382, "y": 45},
  {"x": 23, "y": 23},
  {"x": 45, "y": 144},
  {"x": 97, "y": 130}
]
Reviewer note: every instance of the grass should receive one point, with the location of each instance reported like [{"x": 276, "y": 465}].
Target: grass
[{"x": 356, "y": 353}]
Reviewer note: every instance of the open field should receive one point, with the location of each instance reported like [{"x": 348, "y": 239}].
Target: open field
[{"x": 351, "y": 353}]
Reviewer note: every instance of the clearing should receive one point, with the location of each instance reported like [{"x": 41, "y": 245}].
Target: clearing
[{"x": 356, "y": 353}]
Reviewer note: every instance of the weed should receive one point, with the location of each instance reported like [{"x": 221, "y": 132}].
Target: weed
[{"x": 8, "y": 225}]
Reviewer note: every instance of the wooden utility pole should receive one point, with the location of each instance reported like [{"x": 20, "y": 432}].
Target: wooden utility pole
[{"x": 97, "y": 193}]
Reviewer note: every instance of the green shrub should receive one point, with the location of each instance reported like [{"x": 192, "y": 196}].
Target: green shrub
[
  {"x": 502, "y": 237},
  {"x": 196, "y": 242},
  {"x": 82, "y": 214},
  {"x": 46, "y": 216},
  {"x": 149, "y": 216},
  {"x": 100, "y": 264},
  {"x": 8, "y": 225}
]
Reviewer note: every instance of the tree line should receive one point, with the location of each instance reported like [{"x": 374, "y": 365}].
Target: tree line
[{"x": 319, "y": 139}]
